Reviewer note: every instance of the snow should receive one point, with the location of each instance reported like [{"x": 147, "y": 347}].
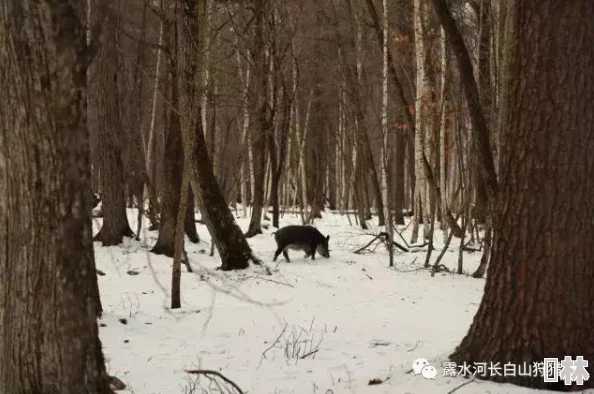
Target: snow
[{"x": 365, "y": 320}]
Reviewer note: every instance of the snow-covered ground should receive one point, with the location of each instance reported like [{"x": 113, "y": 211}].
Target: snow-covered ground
[{"x": 323, "y": 326}]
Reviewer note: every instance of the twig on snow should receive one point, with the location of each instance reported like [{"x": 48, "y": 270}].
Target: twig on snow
[
  {"x": 309, "y": 353},
  {"x": 277, "y": 340},
  {"x": 209, "y": 373},
  {"x": 270, "y": 280},
  {"x": 414, "y": 347}
]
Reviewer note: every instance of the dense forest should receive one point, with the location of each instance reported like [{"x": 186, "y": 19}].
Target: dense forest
[{"x": 470, "y": 121}]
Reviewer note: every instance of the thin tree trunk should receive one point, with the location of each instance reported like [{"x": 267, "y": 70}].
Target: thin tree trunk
[
  {"x": 301, "y": 138},
  {"x": 263, "y": 122},
  {"x": 442, "y": 135},
  {"x": 400, "y": 176},
  {"x": 179, "y": 241},
  {"x": 385, "y": 160},
  {"x": 244, "y": 135},
  {"x": 421, "y": 82}
]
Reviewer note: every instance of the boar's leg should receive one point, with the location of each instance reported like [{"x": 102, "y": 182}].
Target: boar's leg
[
  {"x": 313, "y": 251},
  {"x": 278, "y": 251},
  {"x": 286, "y": 254}
]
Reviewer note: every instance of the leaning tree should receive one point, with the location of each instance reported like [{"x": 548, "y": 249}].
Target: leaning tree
[
  {"x": 539, "y": 294},
  {"x": 233, "y": 248},
  {"x": 49, "y": 339}
]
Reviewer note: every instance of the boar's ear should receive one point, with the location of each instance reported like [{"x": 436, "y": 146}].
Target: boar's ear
[{"x": 327, "y": 238}]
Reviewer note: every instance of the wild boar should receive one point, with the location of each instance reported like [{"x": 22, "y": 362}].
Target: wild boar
[{"x": 305, "y": 238}]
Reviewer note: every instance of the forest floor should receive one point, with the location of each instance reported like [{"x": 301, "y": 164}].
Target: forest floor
[{"x": 325, "y": 326}]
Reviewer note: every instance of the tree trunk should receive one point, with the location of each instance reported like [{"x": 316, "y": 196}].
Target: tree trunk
[
  {"x": 244, "y": 167},
  {"x": 190, "y": 219},
  {"x": 233, "y": 248},
  {"x": 115, "y": 222},
  {"x": 49, "y": 340},
  {"x": 179, "y": 241},
  {"x": 277, "y": 161},
  {"x": 539, "y": 298},
  {"x": 172, "y": 181},
  {"x": 151, "y": 142},
  {"x": 400, "y": 174},
  {"x": 385, "y": 155},
  {"x": 443, "y": 153},
  {"x": 262, "y": 125},
  {"x": 484, "y": 78},
  {"x": 421, "y": 83}
]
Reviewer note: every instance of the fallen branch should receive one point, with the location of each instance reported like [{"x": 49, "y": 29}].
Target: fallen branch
[
  {"x": 277, "y": 340},
  {"x": 271, "y": 280},
  {"x": 309, "y": 354},
  {"x": 386, "y": 236},
  {"x": 358, "y": 251},
  {"x": 414, "y": 347},
  {"x": 400, "y": 234},
  {"x": 259, "y": 262},
  {"x": 209, "y": 373}
]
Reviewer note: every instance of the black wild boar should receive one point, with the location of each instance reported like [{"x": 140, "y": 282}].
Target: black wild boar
[{"x": 305, "y": 238}]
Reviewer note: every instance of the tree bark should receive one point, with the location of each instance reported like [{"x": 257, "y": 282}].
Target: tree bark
[
  {"x": 115, "y": 221},
  {"x": 539, "y": 298},
  {"x": 49, "y": 339}
]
